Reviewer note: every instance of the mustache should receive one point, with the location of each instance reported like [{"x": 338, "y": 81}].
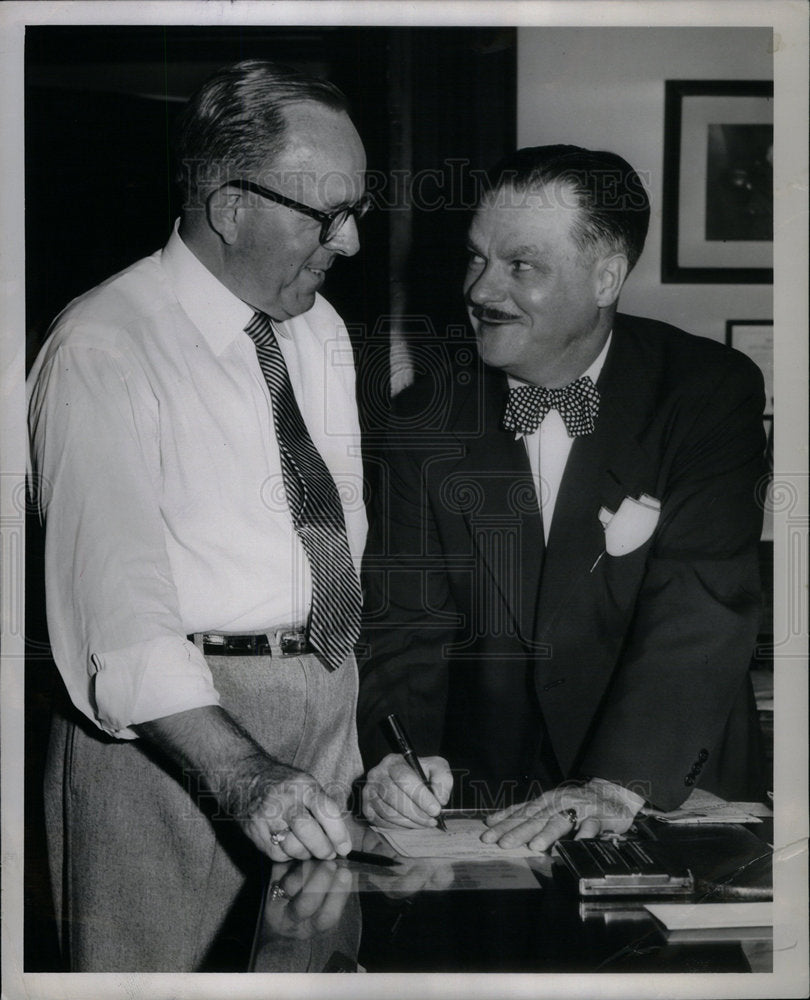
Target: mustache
[{"x": 485, "y": 313}]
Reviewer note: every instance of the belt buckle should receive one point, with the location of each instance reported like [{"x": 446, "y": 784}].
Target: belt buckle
[
  {"x": 235, "y": 645},
  {"x": 293, "y": 642}
]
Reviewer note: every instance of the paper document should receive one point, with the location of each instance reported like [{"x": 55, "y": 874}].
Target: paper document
[
  {"x": 703, "y": 807},
  {"x": 462, "y": 840},
  {"x": 698, "y": 921},
  {"x": 442, "y": 875}
]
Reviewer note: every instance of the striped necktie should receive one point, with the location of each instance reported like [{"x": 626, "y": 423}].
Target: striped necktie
[{"x": 334, "y": 618}]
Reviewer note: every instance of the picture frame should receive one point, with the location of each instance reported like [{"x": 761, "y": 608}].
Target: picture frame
[
  {"x": 754, "y": 337},
  {"x": 717, "y": 207}
]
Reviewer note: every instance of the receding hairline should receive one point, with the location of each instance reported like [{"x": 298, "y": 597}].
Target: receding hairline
[
  {"x": 536, "y": 189},
  {"x": 241, "y": 114},
  {"x": 613, "y": 204}
]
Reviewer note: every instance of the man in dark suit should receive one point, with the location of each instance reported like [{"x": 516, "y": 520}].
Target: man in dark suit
[{"x": 562, "y": 582}]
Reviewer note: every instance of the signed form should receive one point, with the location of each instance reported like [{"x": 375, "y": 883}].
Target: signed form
[
  {"x": 443, "y": 874},
  {"x": 462, "y": 841}
]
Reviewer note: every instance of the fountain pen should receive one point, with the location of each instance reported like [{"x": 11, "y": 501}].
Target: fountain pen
[{"x": 403, "y": 745}]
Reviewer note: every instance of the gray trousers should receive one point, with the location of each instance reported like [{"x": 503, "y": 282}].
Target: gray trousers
[{"x": 144, "y": 867}]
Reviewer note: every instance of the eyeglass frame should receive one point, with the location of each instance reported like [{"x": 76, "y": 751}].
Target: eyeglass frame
[{"x": 326, "y": 219}]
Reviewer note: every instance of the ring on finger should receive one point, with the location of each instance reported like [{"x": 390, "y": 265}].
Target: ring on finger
[
  {"x": 277, "y": 891},
  {"x": 279, "y": 836},
  {"x": 570, "y": 815}
]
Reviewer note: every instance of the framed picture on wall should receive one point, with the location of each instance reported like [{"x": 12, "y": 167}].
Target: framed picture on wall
[
  {"x": 718, "y": 182},
  {"x": 754, "y": 337}
]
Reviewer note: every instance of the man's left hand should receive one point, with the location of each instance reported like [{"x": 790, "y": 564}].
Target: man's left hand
[{"x": 598, "y": 807}]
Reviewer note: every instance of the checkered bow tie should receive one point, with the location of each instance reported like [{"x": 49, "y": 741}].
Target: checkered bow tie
[{"x": 577, "y": 403}]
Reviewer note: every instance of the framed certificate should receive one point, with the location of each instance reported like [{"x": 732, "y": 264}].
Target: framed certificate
[{"x": 754, "y": 337}]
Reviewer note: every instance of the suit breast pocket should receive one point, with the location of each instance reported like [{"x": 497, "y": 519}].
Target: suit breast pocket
[{"x": 620, "y": 579}]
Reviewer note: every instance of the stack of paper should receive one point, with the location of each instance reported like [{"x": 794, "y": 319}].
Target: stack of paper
[
  {"x": 703, "y": 807},
  {"x": 714, "y": 921}
]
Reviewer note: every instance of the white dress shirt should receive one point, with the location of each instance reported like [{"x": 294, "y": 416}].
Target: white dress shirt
[
  {"x": 160, "y": 477},
  {"x": 548, "y": 449},
  {"x": 549, "y": 446}
]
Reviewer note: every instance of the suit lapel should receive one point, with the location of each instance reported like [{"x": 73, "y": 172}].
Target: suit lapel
[
  {"x": 504, "y": 519},
  {"x": 602, "y": 469}
]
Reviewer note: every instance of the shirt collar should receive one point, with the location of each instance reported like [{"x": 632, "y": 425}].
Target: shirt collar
[
  {"x": 593, "y": 371},
  {"x": 595, "y": 368},
  {"x": 216, "y": 312}
]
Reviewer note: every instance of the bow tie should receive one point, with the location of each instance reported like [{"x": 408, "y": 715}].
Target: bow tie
[{"x": 577, "y": 403}]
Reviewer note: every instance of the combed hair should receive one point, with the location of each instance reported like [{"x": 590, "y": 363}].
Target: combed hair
[
  {"x": 614, "y": 206},
  {"x": 235, "y": 121}
]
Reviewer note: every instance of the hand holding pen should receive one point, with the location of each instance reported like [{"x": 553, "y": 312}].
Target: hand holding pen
[
  {"x": 405, "y": 790},
  {"x": 403, "y": 745}
]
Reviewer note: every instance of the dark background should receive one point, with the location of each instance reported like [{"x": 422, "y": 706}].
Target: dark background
[{"x": 100, "y": 104}]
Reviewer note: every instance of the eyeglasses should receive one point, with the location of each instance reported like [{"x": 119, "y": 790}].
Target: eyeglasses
[{"x": 331, "y": 222}]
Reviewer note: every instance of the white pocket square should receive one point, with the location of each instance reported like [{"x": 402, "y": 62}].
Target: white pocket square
[{"x": 632, "y": 524}]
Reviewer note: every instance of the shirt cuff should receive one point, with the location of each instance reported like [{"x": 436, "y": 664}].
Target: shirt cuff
[
  {"x": 149, "y": 680},
  {"x": 632, "y": 800}
]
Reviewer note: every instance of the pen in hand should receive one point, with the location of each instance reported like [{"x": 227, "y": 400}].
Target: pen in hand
[{"x": 403, "y": 745}]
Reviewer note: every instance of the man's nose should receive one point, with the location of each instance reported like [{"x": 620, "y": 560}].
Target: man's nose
[
  {"x": 346, "y": 240},
  {"x": 482, "y": 287}
]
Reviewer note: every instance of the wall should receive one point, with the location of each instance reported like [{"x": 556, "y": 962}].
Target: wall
[{"x": 604, "y": 88}]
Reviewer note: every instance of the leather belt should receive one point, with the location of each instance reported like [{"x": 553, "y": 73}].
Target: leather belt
[{"x": 279, "y": 642}]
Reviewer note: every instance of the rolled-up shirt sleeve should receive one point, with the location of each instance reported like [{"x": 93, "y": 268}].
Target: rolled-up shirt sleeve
[
  {"x": 147, "y": 681},
  {"x": 113, "y": 615}
]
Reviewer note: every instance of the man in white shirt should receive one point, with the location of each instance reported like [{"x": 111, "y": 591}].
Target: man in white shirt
[
  {"x": 562, "y": 583},
  {"x": 204, "y": 639}
]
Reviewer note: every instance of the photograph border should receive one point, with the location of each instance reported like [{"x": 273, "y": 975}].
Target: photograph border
[{"x": 788, "y": 23}]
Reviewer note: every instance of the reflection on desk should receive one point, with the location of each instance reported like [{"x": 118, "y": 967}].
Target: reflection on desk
[
  {"x": 428, "y": 915},
  {"x": 309, "y": 921}
]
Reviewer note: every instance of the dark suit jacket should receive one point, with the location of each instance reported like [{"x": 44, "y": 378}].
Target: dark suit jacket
[{"x": 640, "y": 662}]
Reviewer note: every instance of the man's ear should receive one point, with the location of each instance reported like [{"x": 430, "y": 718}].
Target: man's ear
[
  {"x": 610, "y": 277},
  {"x": 224, "y": 209}
]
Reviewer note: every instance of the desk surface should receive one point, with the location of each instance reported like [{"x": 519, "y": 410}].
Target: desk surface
[{"x": 424, "y": 916}]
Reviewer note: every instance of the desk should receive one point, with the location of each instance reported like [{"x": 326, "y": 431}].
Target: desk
[{"x": 336, "y": 916}]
